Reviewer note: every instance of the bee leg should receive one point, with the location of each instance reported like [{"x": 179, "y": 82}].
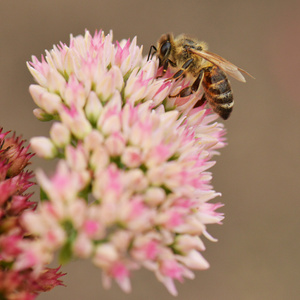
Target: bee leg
[
  {"x": 187, "y": 91},
  {"x": 166, "y": 64},
  {"x": 183, "y": 93},
  {"x": 198, "y": 81},
  {"x": 195, "y": 87},
  {"x": 201, "y": 101},
  {"x": 183, "y": 70},
  {"x": 150, "y": 54}
]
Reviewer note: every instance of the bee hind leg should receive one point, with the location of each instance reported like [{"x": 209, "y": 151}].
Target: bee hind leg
[
  {"x": 201, "y": 101},
  {"x": 187, "y": 91},
  {"x": 195, "y": 88}
]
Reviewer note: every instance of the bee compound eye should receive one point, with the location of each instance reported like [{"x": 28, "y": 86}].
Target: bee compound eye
[{"x": 165, "y": 48}]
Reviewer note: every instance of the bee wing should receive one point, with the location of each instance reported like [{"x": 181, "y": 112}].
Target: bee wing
[{"x": 223, "y": 64}]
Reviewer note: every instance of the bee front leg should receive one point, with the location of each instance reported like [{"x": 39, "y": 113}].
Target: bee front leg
[
  {"x": 150, "y": 54},
  {"x": 166, "y": 65}
]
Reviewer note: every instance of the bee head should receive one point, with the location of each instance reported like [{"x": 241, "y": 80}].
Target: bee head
[{"x": 164, "y": 47}]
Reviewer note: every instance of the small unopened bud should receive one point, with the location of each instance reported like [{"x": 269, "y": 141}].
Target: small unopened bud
[
  {"x": 43, "y": 147},
  {"x": 41, "y": 115},
  {"x": 93, "y": 108},
  {"x": 76, "y": 157},
  {"x": 115, "y": 144},
  {"x": 155, "y": 195},
  {"x": 49, "y": 102},
  {"x": 75, "y": 119},
  {"x": 60, "y": 135}
]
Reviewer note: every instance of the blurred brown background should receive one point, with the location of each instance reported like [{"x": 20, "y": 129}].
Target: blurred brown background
[{"x": 257, "y": 256}]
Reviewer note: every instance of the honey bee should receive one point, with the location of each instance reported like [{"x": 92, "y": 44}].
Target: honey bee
[{"x": 190, "y": 57}]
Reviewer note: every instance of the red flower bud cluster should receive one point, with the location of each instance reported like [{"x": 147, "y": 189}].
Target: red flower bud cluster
[{"x": 14, "y": 181}]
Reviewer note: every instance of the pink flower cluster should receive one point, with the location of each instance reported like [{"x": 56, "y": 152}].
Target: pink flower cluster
[
  {"x": 19, "y": 279},
  {"x": 132, "y": 188}
]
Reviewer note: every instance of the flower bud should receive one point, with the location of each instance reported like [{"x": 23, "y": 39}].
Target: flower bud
[
  {"x": 75, "y": 119},
  {"x": 76, "y": 157},
  {"x": 115, "y": 144},
  {"x": 41, "y": 115},
  {"x": 43, "y": 147},
  {"x": 111, "y": 82},
  {"x": 132, "y": 157},
  {"x": 155, "y": 196},
  {"x": 93, "y": 107},
  {"x": 82, "y": 246},
  {"x": 60, "y": 135},
  {"x": 74, "y": 93},
  {"x": 49, "y": 102}
]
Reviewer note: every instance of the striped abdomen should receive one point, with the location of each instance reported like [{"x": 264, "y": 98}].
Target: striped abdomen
[{"x": 218, "y": 91}]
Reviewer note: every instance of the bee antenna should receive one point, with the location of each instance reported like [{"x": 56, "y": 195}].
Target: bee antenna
[{"x": 150, "y": 55}]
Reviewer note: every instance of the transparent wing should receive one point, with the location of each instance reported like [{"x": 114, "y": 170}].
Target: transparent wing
[{"x": 223, "y": 64}]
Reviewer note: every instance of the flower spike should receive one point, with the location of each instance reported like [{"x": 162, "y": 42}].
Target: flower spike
[{"x": 132, "y": 188}]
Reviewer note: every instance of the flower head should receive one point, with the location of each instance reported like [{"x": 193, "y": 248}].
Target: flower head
[
  {"x": 132, "y": 187},
  {"x": 18, "y": 280}
]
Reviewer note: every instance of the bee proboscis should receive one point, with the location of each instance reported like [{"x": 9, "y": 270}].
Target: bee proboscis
[{"x": 190, "y": 57}]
